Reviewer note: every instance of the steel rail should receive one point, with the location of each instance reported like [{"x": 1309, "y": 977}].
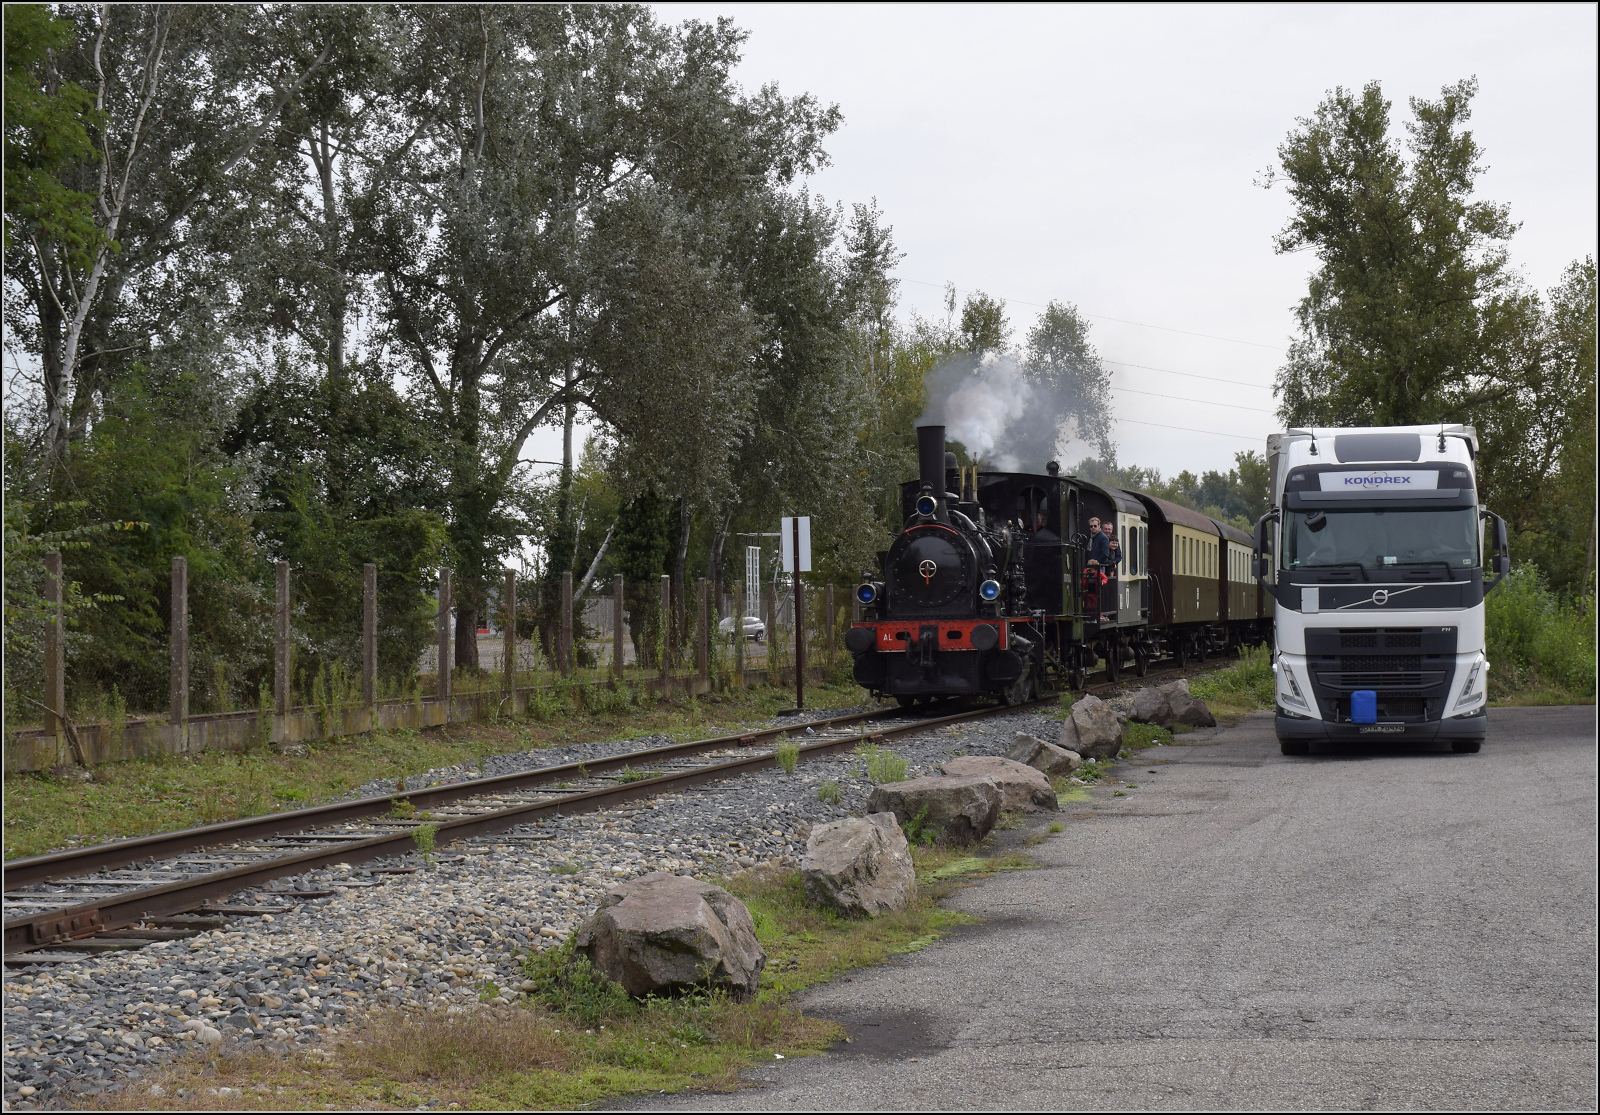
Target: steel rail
[
  {"x": 100, "y": 857},
  {"x": 89, "y": 918}
]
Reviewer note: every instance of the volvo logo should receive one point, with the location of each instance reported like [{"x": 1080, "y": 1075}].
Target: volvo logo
[
  {"x": 1380, "y": 597},
  {"x": 928, "y": 568}
]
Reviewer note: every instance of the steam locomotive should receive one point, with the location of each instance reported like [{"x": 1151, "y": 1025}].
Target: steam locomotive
[{"x": 989, "y": 588}]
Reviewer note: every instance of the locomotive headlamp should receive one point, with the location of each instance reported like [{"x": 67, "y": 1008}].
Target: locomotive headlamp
[
  {"x": 990, "y": 590},
  {"x": 867, "y": 592},
  {"x": 927, "y": 505}
]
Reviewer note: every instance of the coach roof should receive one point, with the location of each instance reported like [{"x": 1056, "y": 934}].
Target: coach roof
[{"x": 1174, "y": 513}]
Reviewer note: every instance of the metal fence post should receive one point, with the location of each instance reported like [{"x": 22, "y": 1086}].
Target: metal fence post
[
  {"x": 564, "y": 655},
  {"x": 444, "y": 660},
  {"x": 55, "y": 657},
  {"x": 617, "y": 618},
  {"x": 180, "y": 653},
  {"x": 508, "y": 648},
  {"x": 280, "y": 662},
  {"x": 664, "y": 631},
  {"x": 369, "y": 637}
]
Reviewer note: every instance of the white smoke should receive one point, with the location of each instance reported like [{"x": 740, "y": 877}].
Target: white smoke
[{"x": 992, "y": 409}]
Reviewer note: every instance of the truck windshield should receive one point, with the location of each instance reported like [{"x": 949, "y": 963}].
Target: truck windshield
[{"x": 1374, "y": 539}]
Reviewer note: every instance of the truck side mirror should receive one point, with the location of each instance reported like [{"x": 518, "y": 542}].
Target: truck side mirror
[
  {"x": 1262, "y": 559},
  {"x": 1501, "y": 562}
]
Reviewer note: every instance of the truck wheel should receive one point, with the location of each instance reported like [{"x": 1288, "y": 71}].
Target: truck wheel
[
  {"x": 1294, "y": 746},
  {"x": 1466, "y": 746}
]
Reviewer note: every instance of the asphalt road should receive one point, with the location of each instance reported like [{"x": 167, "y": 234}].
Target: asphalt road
[{"x": 1371, "y": 927}]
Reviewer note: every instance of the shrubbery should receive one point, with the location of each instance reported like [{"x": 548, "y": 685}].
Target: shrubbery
[{"x": 1538, "y": 640}]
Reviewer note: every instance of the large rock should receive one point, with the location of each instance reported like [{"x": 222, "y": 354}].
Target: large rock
[
  {"x": 1022, "y": 788},
  {"x": 859, "y": 866},
  {"x": 664, "y": 934},
  {"x": 1042, "y": 756},
  {"x": 961, "y": 809},
  {"x": 1170, "y": 705},
  {"x": 1093, "y": 729}
]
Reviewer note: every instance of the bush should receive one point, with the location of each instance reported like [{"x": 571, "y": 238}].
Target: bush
[
  {"x": 1248, "y": 683},
  {"x": 882, "y": 765},
  {"x": 1536, "y": 638},
  {"x": 568, "y": 984}
]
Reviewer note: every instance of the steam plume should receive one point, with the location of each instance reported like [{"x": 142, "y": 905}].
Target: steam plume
[{"x": 1005, "y": 420}]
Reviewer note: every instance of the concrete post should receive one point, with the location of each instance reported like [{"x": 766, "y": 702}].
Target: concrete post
[
  {"x": 508, "y": 650},
  {"x": 369, "y": 637},
  {"x": 564, "y": 654},
  {"x": 55, "y": 656},
  {"x": 830, "y": 623},
  {"x": 738, "y": 631},
  {"x": 665, "y": 630},
  {"x": 280, "y": 660},
  {"x": 179, "y": 698},
  {"x": 444, "y": 658},
  {"x": 702, "y": 643},
  {"x": 618, "y": 659}
]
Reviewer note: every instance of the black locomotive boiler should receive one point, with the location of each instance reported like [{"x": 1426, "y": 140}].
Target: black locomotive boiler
[{"x": 992, "y": 585}]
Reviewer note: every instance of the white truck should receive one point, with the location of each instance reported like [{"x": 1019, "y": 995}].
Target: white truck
[{"x": 1373, "y": 552}]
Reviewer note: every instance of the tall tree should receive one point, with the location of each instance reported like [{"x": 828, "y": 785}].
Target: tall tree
[
  {"x": 1411, "y": 270},
  {"x": 1061, "y": 361}
]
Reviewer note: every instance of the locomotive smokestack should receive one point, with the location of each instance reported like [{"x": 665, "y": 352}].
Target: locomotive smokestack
[{"x": 930, "y": 460}]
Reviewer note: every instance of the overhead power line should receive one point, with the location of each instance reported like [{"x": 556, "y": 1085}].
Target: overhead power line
[
  {"x": 1190, "y": 375},
  {"x": 1177, "y": 399},
  {"x": 1192, "y": 430},
  {"x": 1123, "y": 320}
]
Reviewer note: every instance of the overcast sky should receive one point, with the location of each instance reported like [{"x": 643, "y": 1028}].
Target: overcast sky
[{"x": 1105, "y": 155}]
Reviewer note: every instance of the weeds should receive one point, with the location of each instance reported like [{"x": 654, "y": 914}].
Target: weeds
[
  {"x": 918, "y": 832},
  {"x": 402, "y": 809},
  {"x": 1090, "y": 771},
  {"x": 1243, "y": 687},
  {"x": 788, "y": 755},
  {"x": 628, "y": 774},
  {"x": 423, "y": 836},
  {"x": 568, "y": 984},
  {"x": 1136, "y": 736},
  {"x": 828, "y": 791},
  {"x": 1056, "y": 827},
  {"x": 882, "y": 764}
]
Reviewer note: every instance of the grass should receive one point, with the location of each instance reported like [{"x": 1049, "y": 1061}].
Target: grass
[
  {"x": 575, "y": 1040},
  {"x": 828, "y": 791},
  {"x": 1243, "y": 687},
  {"x": 1137, "y": 737},
  {"x": 788, "y": 755},
  {"x": 44, "y": 812},
  {"x": 882, "y": 764}
]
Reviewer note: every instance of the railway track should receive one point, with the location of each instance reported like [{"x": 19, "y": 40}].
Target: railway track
[{"x": 169, "y": 885}]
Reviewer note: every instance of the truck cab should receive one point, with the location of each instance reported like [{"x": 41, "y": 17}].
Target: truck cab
[{"x": 1374, "y": 555}]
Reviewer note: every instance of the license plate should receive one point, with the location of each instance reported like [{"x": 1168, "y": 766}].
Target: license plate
[{"x": 1382, "y": 728}]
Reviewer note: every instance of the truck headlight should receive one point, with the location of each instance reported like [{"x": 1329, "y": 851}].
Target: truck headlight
[
  {"x": 1470, "y": 695},
  {"x": 1288, "y": 689}
]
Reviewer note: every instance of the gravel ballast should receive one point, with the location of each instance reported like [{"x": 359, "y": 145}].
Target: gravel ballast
[{"x": 451, "y": 934}]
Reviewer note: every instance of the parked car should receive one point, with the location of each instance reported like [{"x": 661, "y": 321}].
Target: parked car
[{"x": 753, "y": 628}]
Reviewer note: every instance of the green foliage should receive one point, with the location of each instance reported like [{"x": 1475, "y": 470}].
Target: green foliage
[
  {"x": 46, "y": 123},
  {"x": 787, "y": 754},
  {"x": 1247, "y": 684},
  {"x": 628, "y": 774},
  {"x": 423, "y": 836},
  {"x": 1536, "y": 638},
  {"x": 1090, "y": 771},
  {"x": 828, "y": 791},
  {"x": 569, "y": 985},
  {"x": 919, "y": 832},
  {"x": 1139, "y": 736},
  {"x": 882, "y": 765},
  {"x": 984, "y": 327}
]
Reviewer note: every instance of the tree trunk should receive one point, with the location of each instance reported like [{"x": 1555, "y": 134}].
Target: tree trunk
[
  {"x": 679, "y": 606},
  {"x": 715, "y": 572},
  {"x": 466, "y": 630}
]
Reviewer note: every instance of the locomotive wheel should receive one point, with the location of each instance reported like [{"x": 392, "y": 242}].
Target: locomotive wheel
[{"x": 1141, "y": 663}]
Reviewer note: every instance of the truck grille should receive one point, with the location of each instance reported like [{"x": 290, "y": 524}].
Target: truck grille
[
  {"x": 1410, "y": 680},
  {"x": 1374, "y": 662}
]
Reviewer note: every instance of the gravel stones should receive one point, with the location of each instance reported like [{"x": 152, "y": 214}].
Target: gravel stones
[
  {"x": 961, "y": 809},
  {"x": 666, "y": 934},
  {"x": 1022, "y": 788},
  {"x": 1092, "y": 730},
  {"x": 859, "y": 866},
  {"x": 443, "y": 938}
]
